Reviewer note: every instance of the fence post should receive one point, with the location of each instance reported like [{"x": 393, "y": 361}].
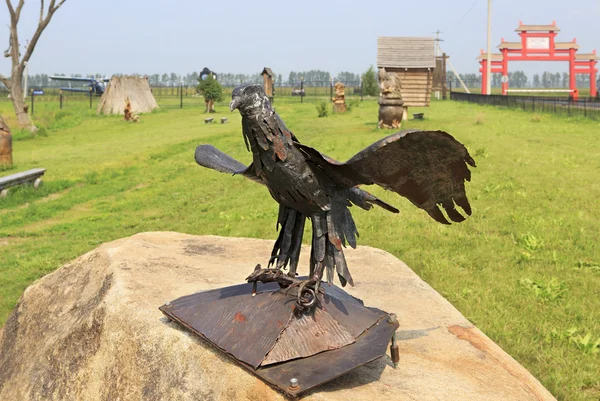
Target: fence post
[
  {"x": 60, "y": 96},
  {"x": 533, "y": 103},
  {"x": 331, "y": 90},
  {"x": 32, "y": 97},
  {"x": 361, "y": 90},
  {"x": 181, "y": 95},
  {"x": 302, "y": 90},
  {"x": 90, "y": 98}
]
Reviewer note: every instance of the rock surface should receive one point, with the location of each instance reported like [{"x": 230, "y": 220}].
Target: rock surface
[{"x": 92, "y": 330}]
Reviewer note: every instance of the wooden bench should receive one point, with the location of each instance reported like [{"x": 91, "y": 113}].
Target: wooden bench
[
  {"x": 208, "y": 120},
  {"x": 418, "y": 116},
  {"x": 30, "y": 176}
]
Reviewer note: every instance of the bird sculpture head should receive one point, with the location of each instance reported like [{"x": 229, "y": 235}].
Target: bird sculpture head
[{"x": 249, "y": 100}]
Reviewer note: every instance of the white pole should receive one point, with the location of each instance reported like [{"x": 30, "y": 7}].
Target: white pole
[
  {"x": 458, "y": 76},
  {"x": 488, "y": 72}
]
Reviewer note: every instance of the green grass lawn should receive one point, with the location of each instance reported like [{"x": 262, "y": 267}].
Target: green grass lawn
[{"x": 525, "y": 268}]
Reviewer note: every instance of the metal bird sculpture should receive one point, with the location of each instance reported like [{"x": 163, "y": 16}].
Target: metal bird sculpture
[{"x": 428, "y": 168}]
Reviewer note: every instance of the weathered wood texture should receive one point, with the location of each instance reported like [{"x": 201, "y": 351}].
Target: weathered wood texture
[
  {"x": 416, "y": 85},
  {"x": 267, "y": 75},
  {"x": 439, "y": 75},
  {"x": 405, "y": 52}
]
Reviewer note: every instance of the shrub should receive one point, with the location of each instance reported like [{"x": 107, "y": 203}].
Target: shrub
[
  {"x": 370, "y": 86},
  {"x": 212, "y": 91},
  {"x": 323, "y": 109}
]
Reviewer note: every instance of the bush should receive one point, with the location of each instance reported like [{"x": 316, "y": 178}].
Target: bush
[
  {"x": 212, "y": 91},
  {"x": 352, "y": 104},
  {"x": 370, "y": 86},
  {"x": 323, "y": 109}
]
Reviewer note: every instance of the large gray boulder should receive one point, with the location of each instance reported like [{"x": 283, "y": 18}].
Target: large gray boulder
[{"x": 92, "y": 330}]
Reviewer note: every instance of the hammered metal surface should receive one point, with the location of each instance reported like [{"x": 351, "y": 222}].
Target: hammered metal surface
[
  {"x": 326, "y": 366},
  {"x": 262, "y": 333},
  {"x": 307, "y": 335},
  {"x": 235, "y": 321}
]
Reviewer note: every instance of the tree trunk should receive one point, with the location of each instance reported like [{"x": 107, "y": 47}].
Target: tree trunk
[
  {"x": 210, "y": 106},
  {"x": 5, "y": 145},
  {"x": 18, "y": 101}
]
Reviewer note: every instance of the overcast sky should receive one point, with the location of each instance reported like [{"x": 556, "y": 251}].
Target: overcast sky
[{"x": 181, "y": 36}]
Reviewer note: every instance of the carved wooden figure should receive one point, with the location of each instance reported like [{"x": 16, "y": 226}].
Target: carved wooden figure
[
  {"x": 339, "y": 101},
  {"x": 391, "y": 110}
]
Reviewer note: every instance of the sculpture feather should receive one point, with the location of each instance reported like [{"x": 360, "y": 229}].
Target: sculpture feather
[{"x": 429, "y": 168}]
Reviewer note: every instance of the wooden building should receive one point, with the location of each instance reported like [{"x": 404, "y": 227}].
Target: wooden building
[
  {"x": 413, "y": 59},
  {"x": 267, "y": 75},
  {"x": 440, "y": 81}
]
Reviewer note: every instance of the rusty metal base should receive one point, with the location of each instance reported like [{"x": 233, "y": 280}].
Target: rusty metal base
[{"x": 265, "y": 335}]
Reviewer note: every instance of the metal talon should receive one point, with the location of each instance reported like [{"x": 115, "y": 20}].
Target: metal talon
[{"x": 304, "y": 301}]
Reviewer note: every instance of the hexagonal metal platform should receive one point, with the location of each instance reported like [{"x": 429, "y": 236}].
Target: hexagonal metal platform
[{"x": 265, "y": 335}]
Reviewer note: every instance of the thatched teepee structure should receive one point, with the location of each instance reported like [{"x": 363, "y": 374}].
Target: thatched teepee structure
[{"x": 119, "y": 89}]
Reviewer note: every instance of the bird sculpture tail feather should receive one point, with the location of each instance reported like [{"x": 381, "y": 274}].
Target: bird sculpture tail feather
[
  {"x": 289, "y": 242},
  {"x": 331, "y": 231}
]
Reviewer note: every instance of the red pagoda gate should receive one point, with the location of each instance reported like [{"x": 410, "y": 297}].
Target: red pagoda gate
[{"x": 538, "y": 44}]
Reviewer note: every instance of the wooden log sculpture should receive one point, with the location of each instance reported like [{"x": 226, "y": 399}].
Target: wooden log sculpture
[
  {"x": 5, "y": 145},
  {"x": 127, "y": 115},
  {"x": 391, "y": 107},
  {"x": 339, "y": 102}
]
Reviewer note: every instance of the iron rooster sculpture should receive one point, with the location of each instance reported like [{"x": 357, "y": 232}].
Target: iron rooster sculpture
[{"x": 428, "y": 168}]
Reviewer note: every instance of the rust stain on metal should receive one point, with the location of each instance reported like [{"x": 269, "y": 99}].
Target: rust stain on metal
[
  {"x": 279, "y": 148},
  {"x": 216, "y": 316},
  {"x": 263, "y": 334}
]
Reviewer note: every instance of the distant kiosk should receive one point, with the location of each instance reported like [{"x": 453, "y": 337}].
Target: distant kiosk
[
  {"x": 267, "y": 75},
  {"x": 538, "y": 44}
]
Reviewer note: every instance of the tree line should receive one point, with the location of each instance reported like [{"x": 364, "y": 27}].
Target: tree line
[
  {"x": 315, "y": 77},
  {"x": 516, "y": 79}
]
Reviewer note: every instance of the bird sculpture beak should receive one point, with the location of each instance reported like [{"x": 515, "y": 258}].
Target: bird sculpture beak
[{"x": 233, "y": 105}]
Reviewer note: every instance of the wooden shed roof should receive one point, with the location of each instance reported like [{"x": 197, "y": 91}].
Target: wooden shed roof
[
  {"x": 267, "y": 71},
  {"x": 537, "y": 28},
  {"x": 405, "y": 52}
]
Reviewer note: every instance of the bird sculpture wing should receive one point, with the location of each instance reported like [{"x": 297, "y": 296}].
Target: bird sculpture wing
[
  {"x": 429, "y": 168},
  {"x": 210, "y": 157}
]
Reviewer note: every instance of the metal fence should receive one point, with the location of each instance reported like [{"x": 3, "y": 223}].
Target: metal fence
[{"x": 586, "y": 107}]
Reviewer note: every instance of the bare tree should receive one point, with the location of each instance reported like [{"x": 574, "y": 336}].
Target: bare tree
[{"x": 14, "y": 82}]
